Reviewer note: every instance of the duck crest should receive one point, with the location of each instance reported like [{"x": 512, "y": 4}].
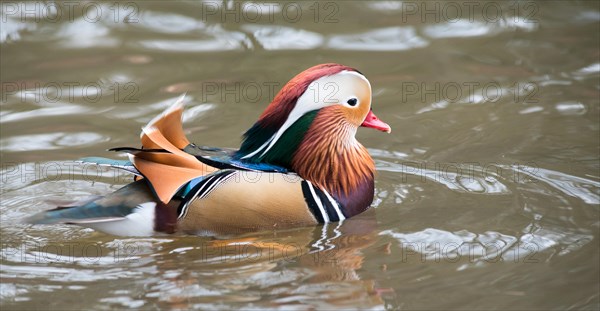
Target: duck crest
[{"x": 277, "y": 113}]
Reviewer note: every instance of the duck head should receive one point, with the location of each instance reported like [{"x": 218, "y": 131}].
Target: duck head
[{"x": 310, "y": 128}]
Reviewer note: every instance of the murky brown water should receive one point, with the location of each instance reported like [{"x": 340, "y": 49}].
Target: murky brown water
[{"x": 488, "y": 189}]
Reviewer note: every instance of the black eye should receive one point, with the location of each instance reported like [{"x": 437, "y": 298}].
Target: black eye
[{"x": 352, "y": 101}]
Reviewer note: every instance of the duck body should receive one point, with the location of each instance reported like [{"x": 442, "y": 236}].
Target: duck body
[{"x": 298, "y": 165}]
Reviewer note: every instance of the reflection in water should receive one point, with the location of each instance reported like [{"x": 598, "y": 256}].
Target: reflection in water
[
  {"x": 319, "y": 258},
  {"x": 232, "y": 268}
]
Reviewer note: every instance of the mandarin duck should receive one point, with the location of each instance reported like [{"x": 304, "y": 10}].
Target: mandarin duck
[{"x": 299, "y": 164}]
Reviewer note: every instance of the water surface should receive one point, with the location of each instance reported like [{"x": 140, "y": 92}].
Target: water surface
[{"x": 488, "y": 190}]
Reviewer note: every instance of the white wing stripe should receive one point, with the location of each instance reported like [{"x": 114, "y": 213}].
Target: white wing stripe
[
  {"x": 335, "y": 206},
  {"x": 318, "y": 201},
  {"x": 259, "y": 148},
  {"x": 185, "y": 206}
]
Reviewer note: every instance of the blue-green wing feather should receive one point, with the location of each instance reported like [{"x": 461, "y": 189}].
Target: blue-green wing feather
[{"x": 225, "y": 158}]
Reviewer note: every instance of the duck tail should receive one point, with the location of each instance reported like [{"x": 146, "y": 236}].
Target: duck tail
[
  {"x": 161, "y": 160},
  {"x": 169, "y": 124},
  {"x": 131, "y": 211}
]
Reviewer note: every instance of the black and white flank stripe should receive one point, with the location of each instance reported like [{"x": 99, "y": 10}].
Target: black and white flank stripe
[
  {"x": 204, "y": 188},
  {"x": 321, "y": 204}
]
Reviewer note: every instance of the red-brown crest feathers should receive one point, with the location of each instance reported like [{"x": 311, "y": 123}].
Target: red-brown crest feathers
[{"x": 283, "y": 103}]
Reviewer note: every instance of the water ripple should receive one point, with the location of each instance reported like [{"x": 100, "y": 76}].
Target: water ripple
[
  {"x": 591, "y": 70},
  {"x": 467, "y": 28},
  {"x": 51, "y": 141},
  {"x": 382, "y": 39},
  {"x": 490, "y": 246},
  {"x": 67, "y": 275},
  {"x": 213, "y": 38},
  {"x": 207, "y": 45},
  {"x": 13, "y": 27},
  {"x": 168, "y": 23},
  {"x": 571, "y": 108},
  {"x": 284, "y": 38},
  {"x": 44, "y": 112},
  {"x": 471, "y": 180},
  {"x": 460, "y": 28},
  {"x": 83, "y": 34},
  {"x": 586, "y": 190},
  {"x": 440, "y": 245}
]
